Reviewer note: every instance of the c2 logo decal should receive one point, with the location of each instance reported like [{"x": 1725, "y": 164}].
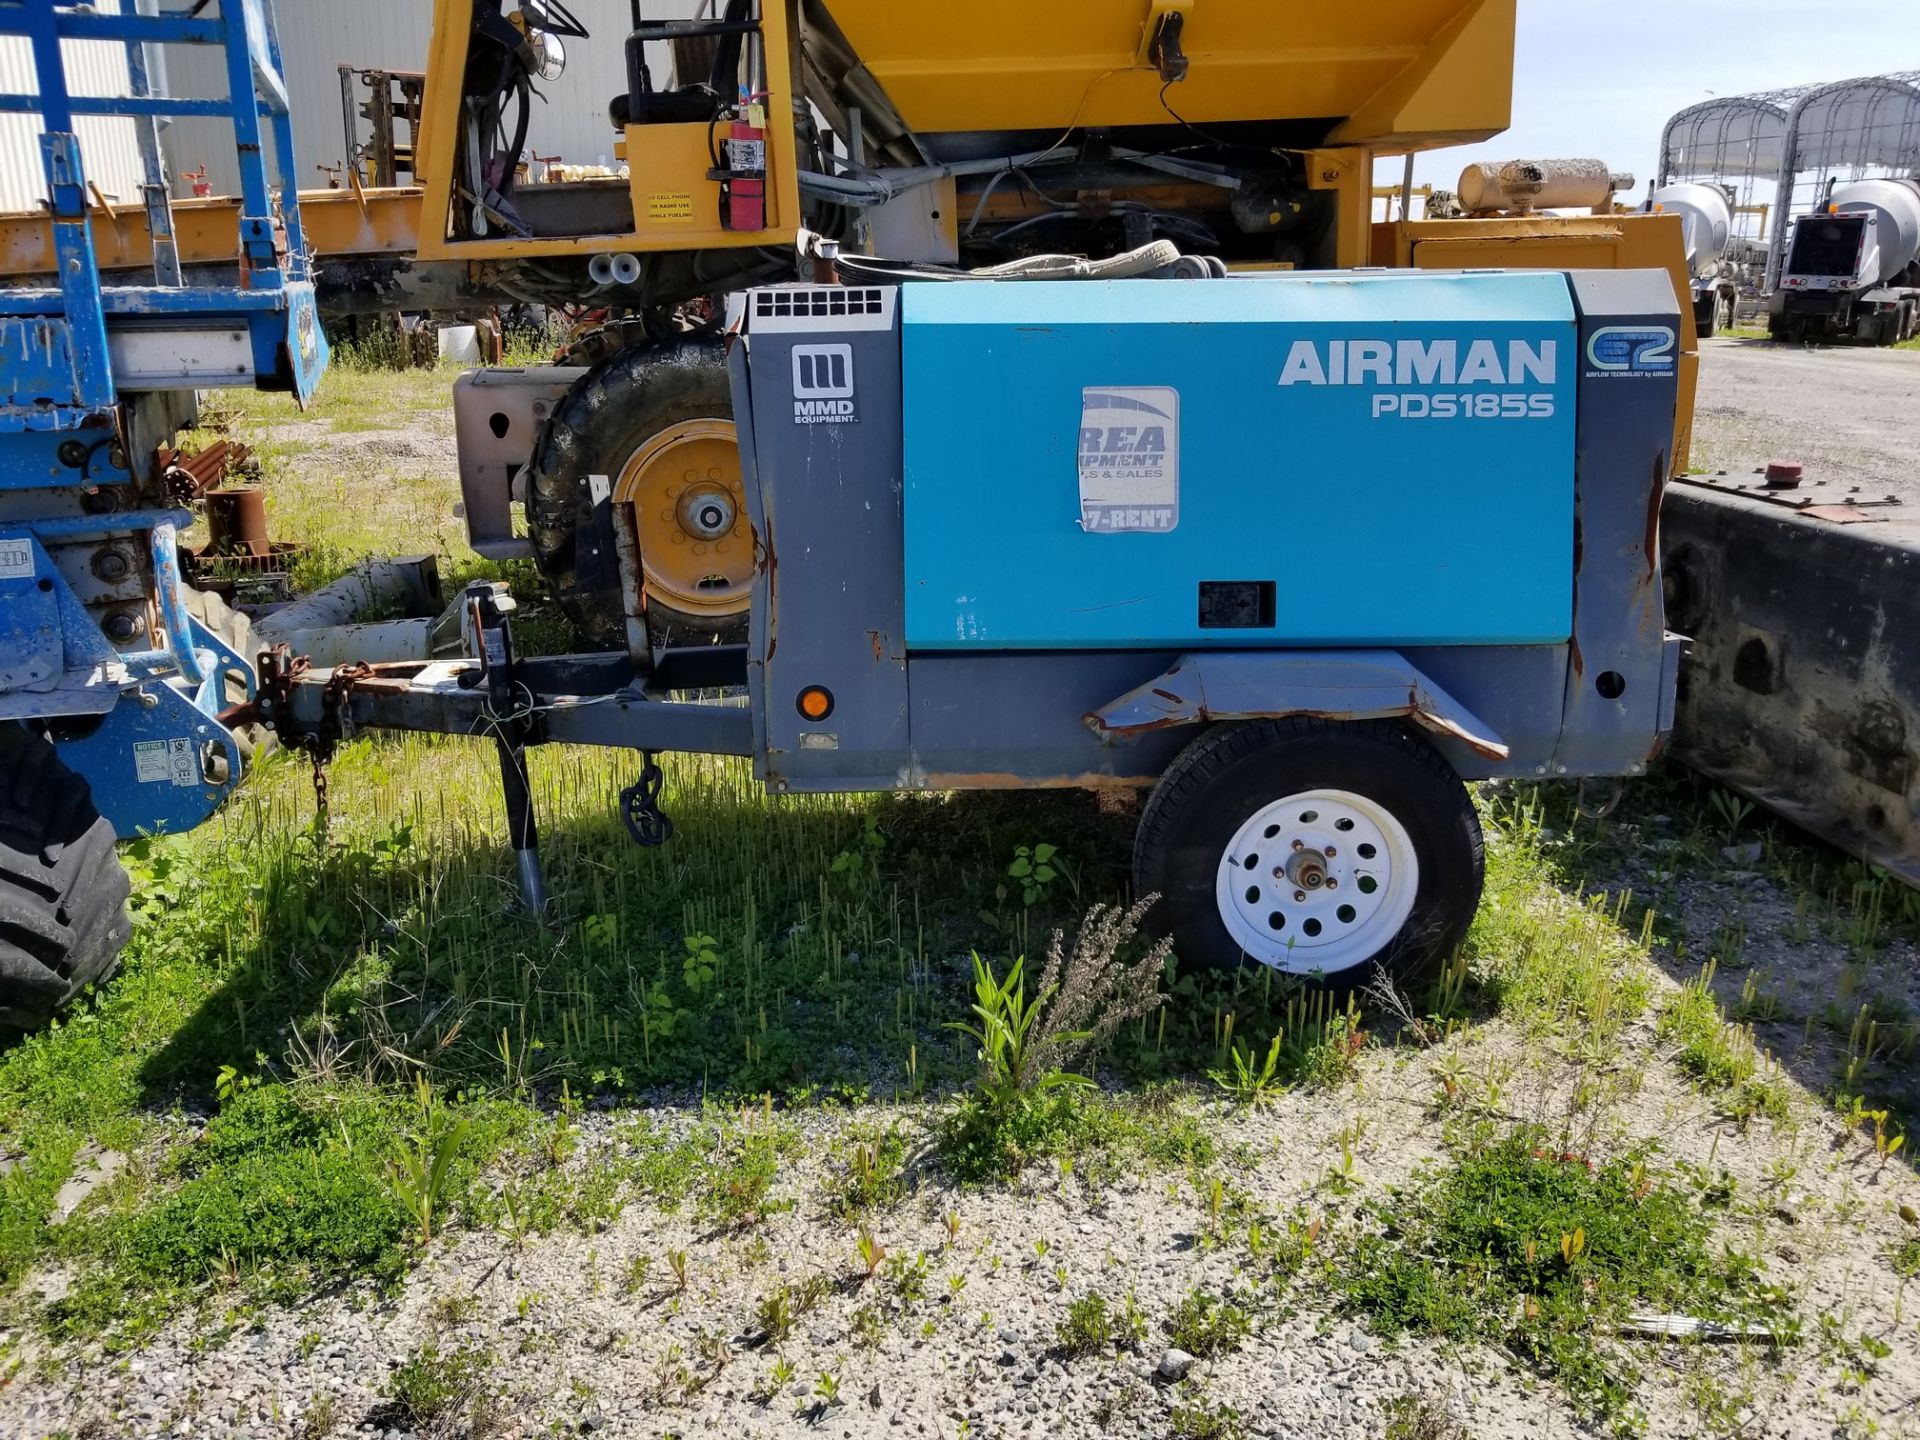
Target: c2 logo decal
[{"x": 1643, "y": 349}]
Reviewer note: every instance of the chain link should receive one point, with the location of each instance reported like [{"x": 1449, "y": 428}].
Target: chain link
[
  {"x": 647, "y": 823},
  {"x": 328, "y": 734}
]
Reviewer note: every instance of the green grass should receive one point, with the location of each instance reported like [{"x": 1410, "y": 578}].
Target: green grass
[
  {"x": 1559, "y": 965},
  {"x": 1199, "y": 1420},
  {"x": 1206, "y": 1325},
  {"x": 1721, "y": 1058},
  {"x": 1093, "y": 1326},
  {"x": 1549, "y": 1250},
  {"x": 441, "y": 1392},
  {"x": 740, "y": 961}
]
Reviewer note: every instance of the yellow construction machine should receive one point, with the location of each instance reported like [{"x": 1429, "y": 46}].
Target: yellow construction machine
[{"x": 764, "y": 138}]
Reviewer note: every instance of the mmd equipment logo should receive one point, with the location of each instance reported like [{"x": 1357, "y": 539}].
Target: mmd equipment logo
[{"x": 823, "y": 385}]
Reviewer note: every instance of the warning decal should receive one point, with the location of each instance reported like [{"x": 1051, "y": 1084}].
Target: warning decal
[
  {"x": 1129, "y": 458},
  {"x": 16, "y": 559},
  {"x": 162, "y": 762},
  {"x": 670, "y": 207}
]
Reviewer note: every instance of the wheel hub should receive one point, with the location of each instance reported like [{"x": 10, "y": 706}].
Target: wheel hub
[
  {"x": 706, "y": 510},
  {"x": 689, "y": 504},
  {"x": 1306, "y": 869},
  {"x": 1317, "y": 881}
]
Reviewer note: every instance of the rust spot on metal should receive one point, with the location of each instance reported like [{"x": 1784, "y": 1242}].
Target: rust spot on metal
[
  {"x": 1843, "y": 515},
  {"x": 1655, "y": 494},
  {"x": 1005, "y": 780},
  {"x": 1487, "y": 749},
  {"x": 1167, "y": 695},
  {"x": 879, "y": 649},
  {"x": 1574, "y": 658}
]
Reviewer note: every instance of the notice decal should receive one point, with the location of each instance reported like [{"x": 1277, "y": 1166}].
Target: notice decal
[{"x": 1129, "y": 455}]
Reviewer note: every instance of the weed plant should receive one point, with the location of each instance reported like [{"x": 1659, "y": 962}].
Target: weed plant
[{"x": 1551, "y": 1251}]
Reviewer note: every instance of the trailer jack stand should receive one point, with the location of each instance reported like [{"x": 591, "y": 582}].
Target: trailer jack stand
[
  {"x": 523, "y": 832},
  {"x": 514, "y": 719}
]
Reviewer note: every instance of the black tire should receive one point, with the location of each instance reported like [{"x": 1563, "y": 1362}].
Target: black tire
[
  {"x": 1706, "y": 317},
  {"x": 603, "y": 342},
  {"x": 63, "y": 893},
  {"x": 609, "y": 414},
  {"x": 1231, "y": 772}
]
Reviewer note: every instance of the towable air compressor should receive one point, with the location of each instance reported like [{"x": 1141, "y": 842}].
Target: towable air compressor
[{"x": 1298, "y": 555}]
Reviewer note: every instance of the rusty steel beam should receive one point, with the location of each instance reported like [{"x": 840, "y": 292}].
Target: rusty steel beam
[
  {"x": 1802, "y": 687},
  {"x": 346, "y": 222}
]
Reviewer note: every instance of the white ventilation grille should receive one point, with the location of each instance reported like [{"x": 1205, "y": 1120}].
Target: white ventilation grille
[{"x": 823, "y": 307}]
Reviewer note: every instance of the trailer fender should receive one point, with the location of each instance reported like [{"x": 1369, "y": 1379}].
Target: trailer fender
[{"x": 1260, "y": 685}]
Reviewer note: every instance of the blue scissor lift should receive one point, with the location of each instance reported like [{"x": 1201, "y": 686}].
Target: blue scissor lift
[{"x": 99, "y": 653}]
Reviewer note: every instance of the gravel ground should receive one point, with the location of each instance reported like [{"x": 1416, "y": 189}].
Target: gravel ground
[
  {"x": 1846, "y": 413},
  {"x": 576, "y": 1351}
]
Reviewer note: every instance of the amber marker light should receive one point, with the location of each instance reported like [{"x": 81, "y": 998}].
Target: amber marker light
[{"x": 815, "y": 702}]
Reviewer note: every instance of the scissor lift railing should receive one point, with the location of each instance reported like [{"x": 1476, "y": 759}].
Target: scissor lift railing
[{"x": 83, "y": 397}]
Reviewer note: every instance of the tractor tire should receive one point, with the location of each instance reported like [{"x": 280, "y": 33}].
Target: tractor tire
[
  {"x": 657, "y": 421},
  {"x": 603, "y": 342},
  {"x": 236, "y": 630},
  {"x": 1317, "y": 848},
  {"x": 63, "y": 893}
]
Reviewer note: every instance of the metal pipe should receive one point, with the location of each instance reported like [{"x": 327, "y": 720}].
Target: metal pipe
[
  {"x": 367, "y": 584},
  {"x": 164, "y": 550},
  {"x": 884, "y": 185}
]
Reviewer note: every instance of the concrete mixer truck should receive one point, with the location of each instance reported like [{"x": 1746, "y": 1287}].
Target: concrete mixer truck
[
  {"x": 1853, "y": 267},
  {"x": 1706, "y": 219}
]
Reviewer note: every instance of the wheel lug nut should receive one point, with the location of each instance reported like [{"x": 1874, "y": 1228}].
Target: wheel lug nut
[
  {"x": 1333, "y": 884},
  {"x": 1330, "y": 852},
  {"x": 1299, "y": 844},
  {"x": 1299, "y": 895}
]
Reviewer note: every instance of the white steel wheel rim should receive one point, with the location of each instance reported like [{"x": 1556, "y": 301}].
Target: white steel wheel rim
[{"x": 1317, "y": 881}]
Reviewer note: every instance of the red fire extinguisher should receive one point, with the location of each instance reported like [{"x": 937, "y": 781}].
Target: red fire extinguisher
[{"x": 743, "y": 179}]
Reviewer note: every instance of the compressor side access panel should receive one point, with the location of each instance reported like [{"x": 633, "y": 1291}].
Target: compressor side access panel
[
  {"x": 1350, "y": 461},
  {"x": 816, "y": 390}
]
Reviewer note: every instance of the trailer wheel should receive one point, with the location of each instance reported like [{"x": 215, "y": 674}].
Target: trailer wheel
[
  {"x": 657, "y": 421},
  {"x": 1312, "y": 847},
  {"x": 63, "y": 893}
]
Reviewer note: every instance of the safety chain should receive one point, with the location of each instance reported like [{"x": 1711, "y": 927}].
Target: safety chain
[
  {"x": 328, "y": 734},
  {"x": 640, "y": 804}
]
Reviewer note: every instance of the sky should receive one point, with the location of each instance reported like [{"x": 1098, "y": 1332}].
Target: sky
[{"x": 1601, "y": 79}]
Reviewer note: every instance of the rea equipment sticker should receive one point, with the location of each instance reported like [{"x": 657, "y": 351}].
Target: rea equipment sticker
[{"x": 1129, "y": 458}]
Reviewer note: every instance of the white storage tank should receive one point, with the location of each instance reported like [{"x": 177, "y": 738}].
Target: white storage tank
[
  {"x": 1706, "y": 220},
  {"x": 1894, "y": 209}
]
